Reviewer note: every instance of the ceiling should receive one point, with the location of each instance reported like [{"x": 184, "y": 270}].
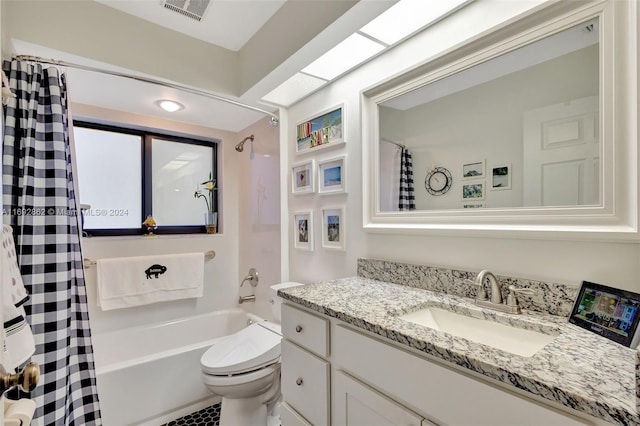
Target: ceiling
[
  {"x": 228, "y": 24},
  {"x": 240, "y": 50}
]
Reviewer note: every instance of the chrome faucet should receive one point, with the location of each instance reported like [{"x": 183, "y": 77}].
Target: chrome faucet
[{"x": 495, "y": 303}]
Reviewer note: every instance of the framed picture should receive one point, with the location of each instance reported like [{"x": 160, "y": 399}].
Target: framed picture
[
  {"x": 332, "y": 175},
  {"x": 303, "y": 230},
  {"x": 333, "y": 228},
  {"x": 501, "y": 177},
  {"x": 473, "y": 170},
  {"x": 473, "y": 191},
  {"x": 303, "y": 178},
  {"x": 321, "y": 131}
]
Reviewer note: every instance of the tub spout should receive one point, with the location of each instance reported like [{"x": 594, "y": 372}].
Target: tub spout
[{"x": 242, "y": 299}]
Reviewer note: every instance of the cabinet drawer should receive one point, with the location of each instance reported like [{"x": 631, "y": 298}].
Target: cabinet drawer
[
  {"x": 289, "y": 417},
  {"x": 307, "y": 330},
  {"x": 305, "y": 383}
]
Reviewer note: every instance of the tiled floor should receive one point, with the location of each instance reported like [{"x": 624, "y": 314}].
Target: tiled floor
[{"x": 209, "y": 416}]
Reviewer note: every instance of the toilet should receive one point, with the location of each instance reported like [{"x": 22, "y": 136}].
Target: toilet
[{"x": 244, "y": 369}]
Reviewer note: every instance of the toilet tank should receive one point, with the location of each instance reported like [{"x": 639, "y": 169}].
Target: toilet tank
[{"x": 276, "y": 301}]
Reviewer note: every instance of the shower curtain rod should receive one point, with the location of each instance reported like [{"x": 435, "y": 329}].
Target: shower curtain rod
[
  {"x": 274, "y": 121},
  {"x": 398, "y": 144}
]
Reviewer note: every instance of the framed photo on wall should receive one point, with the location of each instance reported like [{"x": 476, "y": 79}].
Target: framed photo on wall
[
  {"x": 473, "y": 191},
  {"x": 501, "y": 177},
  {"x": 333, "y": 228},
  {"x": 332, "y": 175},
  {"x": 321, "y": 131},
  {"x": 303, "y": 230},
  {"x": 303, "y": 178},
  {"x": 473, "y": 170}
]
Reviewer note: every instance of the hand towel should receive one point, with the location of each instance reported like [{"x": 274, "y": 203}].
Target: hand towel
[
  {"x": 126, "y": 282},
  {"x": 19, "y": 343}
]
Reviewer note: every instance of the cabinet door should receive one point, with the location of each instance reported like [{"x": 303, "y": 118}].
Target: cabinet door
[
  {"x": 289, "y": 417},
  {"x": 305, "y": 383},
  {"x": 356, "y": 404}
]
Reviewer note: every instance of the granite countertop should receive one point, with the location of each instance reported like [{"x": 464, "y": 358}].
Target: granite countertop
[{"x": 577, "y": 369}]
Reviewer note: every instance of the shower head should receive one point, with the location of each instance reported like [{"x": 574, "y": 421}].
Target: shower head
[{"x": 240, "y": 146}]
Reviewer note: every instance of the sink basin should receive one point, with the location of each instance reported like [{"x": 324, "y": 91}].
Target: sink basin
[{"x": 510, "y": 339}]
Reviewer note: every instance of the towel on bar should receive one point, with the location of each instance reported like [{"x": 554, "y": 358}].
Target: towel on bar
[
  {"x": 19, "y": 342},
  {"x": 125, "y": 282}
]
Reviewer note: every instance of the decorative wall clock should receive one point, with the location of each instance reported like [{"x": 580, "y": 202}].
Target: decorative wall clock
[{"x": 438, "y": 181}]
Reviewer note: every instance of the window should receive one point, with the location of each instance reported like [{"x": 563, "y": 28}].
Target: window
[{"x": 126, "y": 175}]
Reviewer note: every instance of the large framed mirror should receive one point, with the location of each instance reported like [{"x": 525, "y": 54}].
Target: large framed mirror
[{"x": 530, "y": 131}]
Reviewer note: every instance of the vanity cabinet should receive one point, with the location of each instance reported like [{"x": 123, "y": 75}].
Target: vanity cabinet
[
  {"x": 334, "y": 373},
  {"x": 444, "y": 395},
  {"x": 305, "y": 371}
]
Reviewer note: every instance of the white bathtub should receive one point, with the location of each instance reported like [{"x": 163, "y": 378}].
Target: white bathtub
[{"x": 149, "y": 372}]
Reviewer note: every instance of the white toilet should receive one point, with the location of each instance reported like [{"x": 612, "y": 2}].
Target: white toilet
[{"x": 244, "y": 369}]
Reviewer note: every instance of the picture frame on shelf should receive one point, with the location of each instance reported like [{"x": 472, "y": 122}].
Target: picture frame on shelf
[
  {"x": 334, "y": 228},
  {"x": 473, "y": 170},
  {"x": 303, "y": 178},
  {"x": 303, "y": 230},
  {"x": 332, "y": 176},
  {"x": 473, "y": 191},
  {"x": 323, "y": 130},
  {"x": 501, "y": 177}
]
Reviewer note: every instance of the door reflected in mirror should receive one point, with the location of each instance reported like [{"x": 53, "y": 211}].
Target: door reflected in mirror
[{"x": 518, "y": 131}]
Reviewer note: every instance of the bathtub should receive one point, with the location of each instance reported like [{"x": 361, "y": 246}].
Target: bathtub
[{"x": 150, "y": 372}]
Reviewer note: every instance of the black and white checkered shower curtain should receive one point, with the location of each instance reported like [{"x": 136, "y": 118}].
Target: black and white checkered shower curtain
[
  {"x": 38, "y": 196},
  {"x": 406, "y": 200}
]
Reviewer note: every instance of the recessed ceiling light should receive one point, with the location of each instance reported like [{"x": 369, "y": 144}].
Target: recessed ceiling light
[
  {"x": 293, "y": 89},
  {"x": 354, "y": 50},
  {"x": 407, "y": 17},
  {"x": 169, "y": 106}
]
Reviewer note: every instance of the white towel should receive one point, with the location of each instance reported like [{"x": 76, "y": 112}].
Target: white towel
[
  {"x": 19, "y": 344},
  {"x": 126, "y": 282}
]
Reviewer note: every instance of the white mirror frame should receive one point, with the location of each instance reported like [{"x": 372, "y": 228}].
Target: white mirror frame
[{"x": 616, "y": 219}]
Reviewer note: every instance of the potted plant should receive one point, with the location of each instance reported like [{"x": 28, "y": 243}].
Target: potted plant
[{"x": 206, "y": 193}]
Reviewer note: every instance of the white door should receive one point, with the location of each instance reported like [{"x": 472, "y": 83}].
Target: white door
[
  {"x": 562, "y": 154},
  {"x": 356, "y": 404}
]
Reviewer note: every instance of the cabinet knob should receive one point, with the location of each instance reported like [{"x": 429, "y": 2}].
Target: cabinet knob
[
  {"x": 299, "y": 381},
  {"x": 298, "y": 328}
]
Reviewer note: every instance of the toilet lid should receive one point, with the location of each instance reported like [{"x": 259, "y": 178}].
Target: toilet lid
[{"x": 251, "y": 348}]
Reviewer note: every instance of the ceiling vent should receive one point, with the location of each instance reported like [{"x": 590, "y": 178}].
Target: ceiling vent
[{"x": 193, "y": 9}]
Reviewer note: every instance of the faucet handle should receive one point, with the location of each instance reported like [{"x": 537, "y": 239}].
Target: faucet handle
[
  {"x": 512, "y": 299},
  {"x": 482, "y": 293}
]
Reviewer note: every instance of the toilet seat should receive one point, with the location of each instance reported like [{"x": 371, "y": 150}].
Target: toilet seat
[{"x": 252, "y": 348}]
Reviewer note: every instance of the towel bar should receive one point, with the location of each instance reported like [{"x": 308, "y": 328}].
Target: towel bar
[{"x": 208, "y": 255}]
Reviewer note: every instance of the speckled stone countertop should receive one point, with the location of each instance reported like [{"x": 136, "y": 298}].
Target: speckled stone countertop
[{"x": 577, "y": 369}]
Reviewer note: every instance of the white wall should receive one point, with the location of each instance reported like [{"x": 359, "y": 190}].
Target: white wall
[
  {"x": 221, "y": 273},
  {"x": 614, "y": 264}
]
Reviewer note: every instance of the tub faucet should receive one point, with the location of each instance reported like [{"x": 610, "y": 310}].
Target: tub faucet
[{"x": 250, "y": 298}]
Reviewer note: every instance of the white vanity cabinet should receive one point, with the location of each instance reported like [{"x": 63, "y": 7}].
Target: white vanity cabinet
[
  {"x": 305, "y": 370},
  {"x": 443, "y": 395},
  {"x": 335, "y": 374}
]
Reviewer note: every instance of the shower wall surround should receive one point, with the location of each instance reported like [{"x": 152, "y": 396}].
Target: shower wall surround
[{"x": 551, "y": 298}]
